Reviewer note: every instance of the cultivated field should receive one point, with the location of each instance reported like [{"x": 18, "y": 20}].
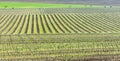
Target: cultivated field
[
  {"x": 58, "y": 21},
  {"x": 60, "y": 34}
]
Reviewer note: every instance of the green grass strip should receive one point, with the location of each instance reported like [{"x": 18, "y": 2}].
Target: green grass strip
[{"x": 43, "y": 5}]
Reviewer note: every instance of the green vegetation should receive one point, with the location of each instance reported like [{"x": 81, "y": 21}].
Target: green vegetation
[
  {"x": 42, "y": 5},
  {"x": 58, "y": 21},
  {"x": 58, "y": 47},
  {"x": 64, "y": 34}
]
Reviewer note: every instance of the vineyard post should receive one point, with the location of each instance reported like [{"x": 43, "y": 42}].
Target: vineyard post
[{"x": 0, "y": 37}]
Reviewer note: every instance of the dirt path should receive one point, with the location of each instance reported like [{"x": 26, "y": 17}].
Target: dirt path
[{"x": 100, "y": 58}]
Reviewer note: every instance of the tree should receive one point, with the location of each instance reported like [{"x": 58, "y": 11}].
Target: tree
[
  {"x": 12, "y": 8},
  {"x": 104, "y": 6},
  {"x": 110, "y": 6},
  {"x": 5, "y": 6}
]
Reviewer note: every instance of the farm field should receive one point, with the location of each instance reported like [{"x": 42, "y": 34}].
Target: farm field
[
  {"x": 64, "y": 21},
  {"x": 60, "y": 34}
]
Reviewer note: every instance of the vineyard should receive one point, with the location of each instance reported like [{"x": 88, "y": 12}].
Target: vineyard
[
  {"x": 57, "y": 21},
  {"x": 63, "y": 34}
]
